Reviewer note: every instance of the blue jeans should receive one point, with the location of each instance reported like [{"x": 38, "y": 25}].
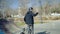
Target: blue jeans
[{"x": 2, "y": 32}]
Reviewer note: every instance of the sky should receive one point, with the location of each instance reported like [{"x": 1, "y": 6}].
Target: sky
[{"x": 15, "y": 3}]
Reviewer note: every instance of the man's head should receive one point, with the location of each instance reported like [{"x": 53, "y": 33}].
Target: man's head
[{"x": 30, "y": 9}]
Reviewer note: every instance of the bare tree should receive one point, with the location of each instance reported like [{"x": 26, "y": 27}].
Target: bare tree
[{"x": 23, "y": 6}]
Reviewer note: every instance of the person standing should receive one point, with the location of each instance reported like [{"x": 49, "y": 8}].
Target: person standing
[
  {"x": 29, "y": 20},
  {"x": 3, "y": 27}
]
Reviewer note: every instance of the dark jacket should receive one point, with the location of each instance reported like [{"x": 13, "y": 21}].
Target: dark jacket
[
  {"x": 3, "y": 22},
  {"x": 29, "y": 17}
]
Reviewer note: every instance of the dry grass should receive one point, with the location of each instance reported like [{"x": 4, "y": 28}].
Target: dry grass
[{"x": 36, "y": 20}]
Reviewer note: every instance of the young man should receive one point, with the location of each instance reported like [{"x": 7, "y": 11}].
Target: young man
[
  {"x": 3, "y": 23},
  {"x": 29, "y": 20}
]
